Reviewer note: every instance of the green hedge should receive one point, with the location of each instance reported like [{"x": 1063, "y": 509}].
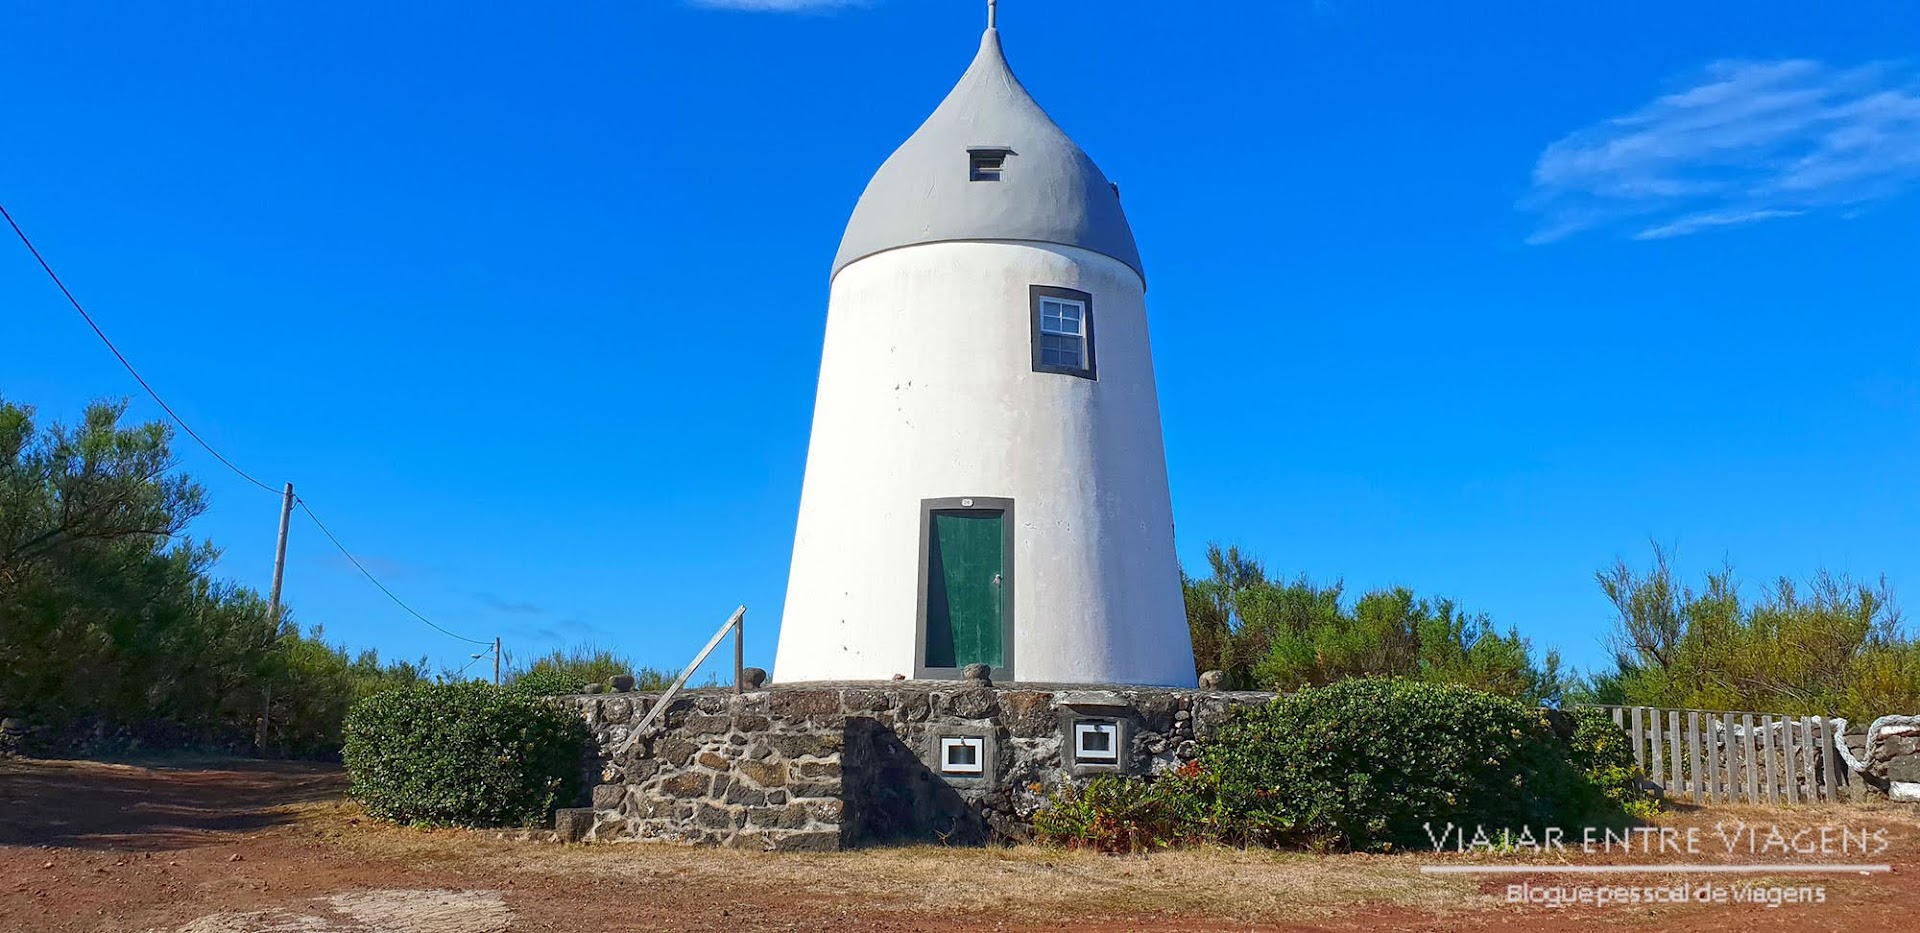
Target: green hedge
[
  {"x": 1369, "y": 764},
  {"x": 467, "y": 754}
]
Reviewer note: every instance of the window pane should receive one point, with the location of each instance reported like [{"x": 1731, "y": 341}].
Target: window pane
[
  {"x": 1057, "y": 350},
  {"x": 1057, "y": 317}
]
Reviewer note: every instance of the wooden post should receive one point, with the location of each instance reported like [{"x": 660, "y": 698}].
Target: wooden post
[
  {"x": 1639, "y": 749},
  {"x": 739, "y": 654},
  {"x": 1823, "y": 740},
  {"x": 1675, "y": 758},
  {"x": 1790, "y": 733},
  {"x": 1693, "y": 757},
  {"x": 1751, "y": 756},
  {"x": 1736, "y": 786},
  {"x": 273, "y": 607},
  {"x": 496, "y": 661},
  {"x": 1716, "y": 791},
  {"x": 280, "y": 557},
  {"x": 1769, "y": 741},
  {"x": 1655, "y": 754}
]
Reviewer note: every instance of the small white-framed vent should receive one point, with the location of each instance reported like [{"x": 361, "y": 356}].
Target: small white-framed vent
[
  {"x": 1096, "y": 740},
  {"x": 987, "y": 164},
  {"x": 961, "y": 754}
]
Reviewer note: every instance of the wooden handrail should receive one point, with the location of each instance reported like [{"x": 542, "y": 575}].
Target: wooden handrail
[{"x": 736, "y": 624}]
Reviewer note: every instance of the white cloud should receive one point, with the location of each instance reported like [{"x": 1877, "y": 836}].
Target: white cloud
[
  {"x": 1748, "y": 141},
  {"x": 780, "y": 6}
]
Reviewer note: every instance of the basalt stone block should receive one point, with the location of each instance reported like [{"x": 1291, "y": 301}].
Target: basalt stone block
[
  {"x": 572, "y": 824},
  {"x": 687, "y": 784},
  {"x": 804, "y": 703},
  {"x": 1905, "y": 769},
  {"x": 676, "y": 752},
  {"x": 979, "y": 703},
  {"x": 1028, "y": 714},
  {"x": 714, "y": 760},
  {"x": 868, "y": 701},
  {"x": 825, "y": 811},
  {"x": 707, "y": 724},
  {"x": 819, "y": 769},
  {"x": 807, "y": 745},
  {"x": 916, "y": 707},
  {"x": 753, "y": 840},
  {"x": 814, "y": 788},
  {"x": 821, "y": 841},
  {"x": 789, "y": 817},
  {"x": 609, "y": 796},
  {"x": 740, "y": 795},
  {"x": 713, "y": 817},
  {"x": 618, "y": 710},
  {"x": 641, "y": 769},
  {"x": 765, "y": 773},
  {"x": 747, "y": 722},
  {"x": 1156, "y": 712}
]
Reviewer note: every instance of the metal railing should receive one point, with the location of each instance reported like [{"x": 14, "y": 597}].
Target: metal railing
[{"x": 736, "y": 624}]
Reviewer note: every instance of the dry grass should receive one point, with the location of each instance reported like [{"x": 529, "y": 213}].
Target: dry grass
[{"x": 1031, "y": 883}]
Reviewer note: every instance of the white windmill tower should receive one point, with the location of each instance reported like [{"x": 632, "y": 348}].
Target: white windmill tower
[{"x": 986, "y": 481}]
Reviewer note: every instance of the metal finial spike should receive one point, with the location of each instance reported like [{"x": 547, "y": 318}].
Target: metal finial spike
[{"x": 993, "y": 14}]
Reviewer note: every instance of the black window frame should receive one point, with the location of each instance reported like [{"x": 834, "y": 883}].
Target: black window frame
[{"x": 1034, "y": 295}]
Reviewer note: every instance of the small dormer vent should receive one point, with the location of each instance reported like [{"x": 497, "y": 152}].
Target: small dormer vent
[{"x": 987, "y": 164}]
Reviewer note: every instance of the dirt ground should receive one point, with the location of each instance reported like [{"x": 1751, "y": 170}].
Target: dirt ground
[{"x": 251, "y": 847}]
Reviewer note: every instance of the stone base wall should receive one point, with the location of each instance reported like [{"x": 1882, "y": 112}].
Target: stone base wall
[
  {"x": 826, "y": 766},
  {"x": 1895, "y": 758}
]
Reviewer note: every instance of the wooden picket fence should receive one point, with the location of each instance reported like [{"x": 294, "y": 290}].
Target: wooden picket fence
[{"x": 1708, "y": 756}]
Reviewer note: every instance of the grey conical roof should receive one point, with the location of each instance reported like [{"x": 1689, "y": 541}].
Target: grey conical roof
[{"x": 1050, "y": 191}]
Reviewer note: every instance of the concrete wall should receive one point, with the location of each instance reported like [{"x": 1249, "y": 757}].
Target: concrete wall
[
  {"x": 927, "y": 391},
  {"x": 823, "y": 766}
]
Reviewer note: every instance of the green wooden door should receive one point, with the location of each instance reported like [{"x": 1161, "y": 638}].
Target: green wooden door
[{"x": 965, "y": 589}]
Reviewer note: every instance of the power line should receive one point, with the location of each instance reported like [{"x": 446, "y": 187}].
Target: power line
[
  {"x": 22, "y": 234},
  {"x": 476, "y": 659},
  {"x": 28, "y": 243},
  {"x": 375, "y": 580}
]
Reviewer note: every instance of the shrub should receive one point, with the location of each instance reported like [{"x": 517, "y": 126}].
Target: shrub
[
  {"x": 559, "y": 673},
  {"x": 1111, "y": 814},
  {"x": 1367, "y": 764},
  {"x": 463, "y": 754},
  {"x": 1602, "y": 755}
]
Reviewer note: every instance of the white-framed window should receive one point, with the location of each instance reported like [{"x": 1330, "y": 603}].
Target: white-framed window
[
  {"x": 1063, "y": 333},
  {"x": 1096, "y": 740},
  {"x": 961, "y": 754}
]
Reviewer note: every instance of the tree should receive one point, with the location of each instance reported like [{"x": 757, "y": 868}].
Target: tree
[
  {"x": 113, "y": 631},
  {"x": 1828, "y": 646},
  {"x": 1284, "y": 636}
]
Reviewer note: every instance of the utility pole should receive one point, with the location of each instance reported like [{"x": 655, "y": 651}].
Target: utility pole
[
  {"x": 273, "y": 609},
  {"x": 280, "y": 558},
  {"x": 496, "y": 661}
]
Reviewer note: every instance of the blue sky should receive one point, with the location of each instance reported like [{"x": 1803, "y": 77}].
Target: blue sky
[{"x": 527, "y": 300}]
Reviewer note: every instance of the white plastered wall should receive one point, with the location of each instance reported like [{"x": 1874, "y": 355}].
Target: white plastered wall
[{"x": 927, "y": 391}]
